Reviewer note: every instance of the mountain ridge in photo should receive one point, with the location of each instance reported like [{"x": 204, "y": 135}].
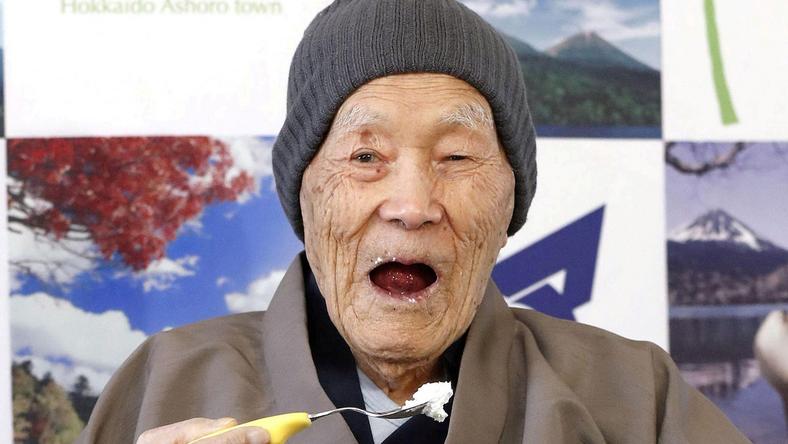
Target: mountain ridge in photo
[
  {"x": 588, "y": 84},
  {"x": 718, "y": 259},
  {"x": 590, "y": 48}
]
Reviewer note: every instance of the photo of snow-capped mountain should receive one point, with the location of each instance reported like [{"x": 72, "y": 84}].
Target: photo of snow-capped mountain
[
  {"x": 718, "y": 259},
  {"x": 727, "y": 245},
  {"x": 719, "y": 226}
]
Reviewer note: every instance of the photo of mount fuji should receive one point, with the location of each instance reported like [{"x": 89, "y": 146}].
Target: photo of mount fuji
[
  {"x": 719, "y": 260},
  {"x": 591, "y": 68},
  {"x": 727, "y": 253}
]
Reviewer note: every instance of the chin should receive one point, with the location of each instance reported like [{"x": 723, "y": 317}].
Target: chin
[{"x": 396, "y": 343}]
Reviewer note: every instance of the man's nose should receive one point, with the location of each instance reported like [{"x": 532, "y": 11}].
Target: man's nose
[{"x": 410, "y": 201}]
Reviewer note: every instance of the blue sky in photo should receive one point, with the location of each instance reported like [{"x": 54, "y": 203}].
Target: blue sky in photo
[
  {"x": 753, "y": 191},
  {"x": 238, "y": 242},
  {"x": 631, "y": 25}
]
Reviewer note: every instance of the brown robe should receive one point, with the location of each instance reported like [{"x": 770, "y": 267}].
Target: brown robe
[{"x": 524, "y": 377}]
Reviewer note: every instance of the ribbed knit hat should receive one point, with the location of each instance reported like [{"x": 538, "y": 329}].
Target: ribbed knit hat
[{"x": 352, "y": 42}]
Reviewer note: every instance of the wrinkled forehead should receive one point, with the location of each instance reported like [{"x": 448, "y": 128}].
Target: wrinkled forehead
[
  {"x": 469, "y": 115},
  {"x": 455, "y": 102}
]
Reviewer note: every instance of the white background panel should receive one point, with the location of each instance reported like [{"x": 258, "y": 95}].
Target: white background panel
[
  {"x": 577, "y": 176},
  {"x": 151, "y": 73},
  {"x": 5, "y": 333},
  {"x": 754, "y": 44}
]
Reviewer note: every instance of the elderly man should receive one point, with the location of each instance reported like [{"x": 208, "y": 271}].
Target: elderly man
[{"x": 405, "y": 161}]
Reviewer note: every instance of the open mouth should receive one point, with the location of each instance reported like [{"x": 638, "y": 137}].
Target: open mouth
[{"x": 403, "y": 280}]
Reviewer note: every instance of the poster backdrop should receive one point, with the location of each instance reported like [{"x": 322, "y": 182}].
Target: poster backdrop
[
  {"x": 723, "y": 70},
  {"x": 726, "y": 206},
  {"x": 150, "y": 66},
  {"x": 657, "y": 216},
  {"x": 593, "y": 248}
]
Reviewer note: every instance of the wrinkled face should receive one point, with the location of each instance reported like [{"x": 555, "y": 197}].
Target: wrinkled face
[{"x": 405, "y": 208}]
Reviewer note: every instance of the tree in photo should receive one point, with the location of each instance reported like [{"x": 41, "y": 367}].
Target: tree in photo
[
  {"x": 82, "y": 398},
  {"x": 42, "y": 411},
  {"x": 698, "y": 159},
  {"x": 127, "y": 196}
]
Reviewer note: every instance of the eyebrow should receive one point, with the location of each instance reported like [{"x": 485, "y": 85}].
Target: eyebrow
[
  {"x": 469, "y": 115},
  {"x": 356, "y": 117}
]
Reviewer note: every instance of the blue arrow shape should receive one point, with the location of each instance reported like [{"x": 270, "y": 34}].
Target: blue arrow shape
[{"x": 572, "y": 250}]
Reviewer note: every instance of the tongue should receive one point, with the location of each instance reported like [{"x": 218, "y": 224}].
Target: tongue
[{"x": 402, "y": 279}]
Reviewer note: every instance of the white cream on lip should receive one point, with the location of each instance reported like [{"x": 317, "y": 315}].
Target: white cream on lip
[{"x": 436, "y": 394}]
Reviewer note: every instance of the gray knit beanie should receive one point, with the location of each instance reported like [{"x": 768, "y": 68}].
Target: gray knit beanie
[{"x": 352, "y": 42}]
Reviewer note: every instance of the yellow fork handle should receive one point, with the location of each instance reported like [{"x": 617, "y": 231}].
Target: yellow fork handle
[{"x": 280, "y": 427}]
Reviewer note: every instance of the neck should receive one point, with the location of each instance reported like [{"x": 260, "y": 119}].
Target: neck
[{"x": 399, "y": 382}]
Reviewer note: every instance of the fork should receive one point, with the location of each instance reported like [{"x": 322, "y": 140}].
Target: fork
[{"x": 282, "y": 427}]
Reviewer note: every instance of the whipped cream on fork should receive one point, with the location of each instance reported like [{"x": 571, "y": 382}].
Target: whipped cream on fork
[{"x": 436, "y": 394}]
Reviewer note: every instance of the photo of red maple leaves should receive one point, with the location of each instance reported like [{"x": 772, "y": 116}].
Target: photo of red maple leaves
[
  {"x": 113, "y": 239},
  {"x": 128, "y": 195}
]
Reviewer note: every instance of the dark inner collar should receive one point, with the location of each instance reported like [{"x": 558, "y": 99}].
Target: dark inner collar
[{"x": 336, "y": 371}]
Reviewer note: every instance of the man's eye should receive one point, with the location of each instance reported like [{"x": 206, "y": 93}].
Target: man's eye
[
  {"x": 365, "y": 157},
  {"x": 455, "y": 157}
]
